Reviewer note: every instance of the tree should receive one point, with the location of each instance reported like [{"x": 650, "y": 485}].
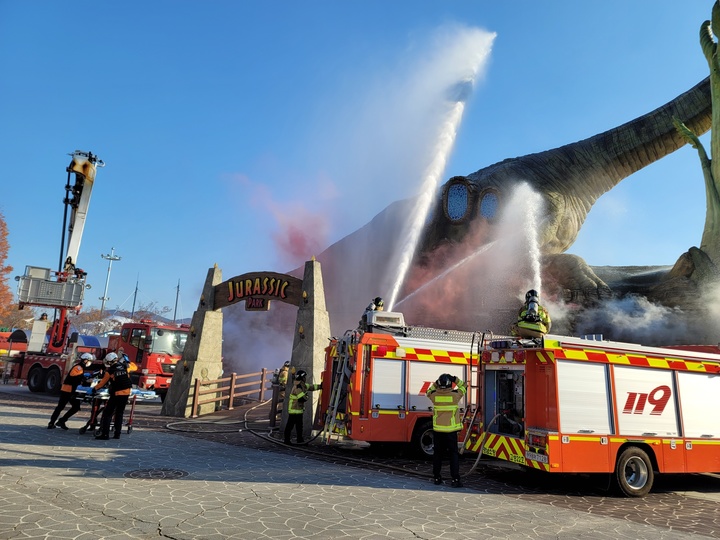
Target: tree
[{"x": 6, "y": 296}]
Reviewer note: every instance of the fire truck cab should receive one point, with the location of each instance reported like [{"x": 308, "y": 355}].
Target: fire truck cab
[
  {"x": 570, "y": 405},
  {"x": 155, "y": 348}
]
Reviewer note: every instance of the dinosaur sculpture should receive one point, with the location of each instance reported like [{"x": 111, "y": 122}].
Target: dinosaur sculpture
[{"x": 570, "y": 179}]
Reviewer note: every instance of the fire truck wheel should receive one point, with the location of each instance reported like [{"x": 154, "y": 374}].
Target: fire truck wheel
[
  {"x": 422, "y": 439},
  {"x": 36, "y": 379},
  {"x": 634, "y": 472},
  {"x": 53, "y": 381}
]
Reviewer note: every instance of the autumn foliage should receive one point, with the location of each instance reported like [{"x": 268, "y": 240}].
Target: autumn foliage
[{"x": 8, "y": 309}]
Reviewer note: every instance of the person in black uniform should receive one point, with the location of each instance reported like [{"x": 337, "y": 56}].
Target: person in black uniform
[
  {"x": 67, "y": 392},
  {"x": 120, "y": 387}
]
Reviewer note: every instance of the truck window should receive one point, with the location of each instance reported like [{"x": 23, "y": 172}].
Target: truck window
[
  {"x": 168, "y": 341},
  {"x": 137, "y": 338}
]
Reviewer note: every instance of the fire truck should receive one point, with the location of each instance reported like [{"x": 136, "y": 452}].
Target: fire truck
[
  {"x": 570, "y": 405},
  {"x": 552, "y": 404},
  {"x": 375, "y": 380},
  {"x": 50, "y": 349},
  {"x": 155, "y": 348}
]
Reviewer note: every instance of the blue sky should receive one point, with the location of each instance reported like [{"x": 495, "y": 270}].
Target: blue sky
[{"x": 231, "y": 129}]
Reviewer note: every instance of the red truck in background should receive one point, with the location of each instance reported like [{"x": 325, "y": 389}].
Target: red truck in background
[{"x": 155, "y": 348}]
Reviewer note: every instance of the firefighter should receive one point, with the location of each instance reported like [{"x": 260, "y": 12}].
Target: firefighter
[
  {"x": 296, "y": 406},
  {"x": 131, "y": 366},
  {"x": 67, "y": 392},
  {"x": 283, "y": 376},
  {"x": 446, "y": 424},
  {"x": 120, "y": 389},
  {"x": 533, "y": 319},
  {"x": 280, "y": 380},
  {"x": 376, "y": 304}
]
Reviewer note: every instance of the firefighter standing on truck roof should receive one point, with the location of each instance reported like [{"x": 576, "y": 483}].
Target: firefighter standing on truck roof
[
  {"x": 120, "y": 389},
  {"x": 376, "y": 304},
  {"x": 67, "y": 391},
  {"x": 296, "y": 406},
  {"x": 446, "y": 424},
  {"x": 533, "y": 319}
]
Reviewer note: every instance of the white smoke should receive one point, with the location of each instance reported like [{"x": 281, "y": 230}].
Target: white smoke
[{"x": 635, "y": 319}]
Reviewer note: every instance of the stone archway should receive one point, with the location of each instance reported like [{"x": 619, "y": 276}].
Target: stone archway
[{"x": 202, "y": 357}]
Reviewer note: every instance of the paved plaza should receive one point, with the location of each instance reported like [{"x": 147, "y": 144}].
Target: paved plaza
[{"x": 154, "y": 483}]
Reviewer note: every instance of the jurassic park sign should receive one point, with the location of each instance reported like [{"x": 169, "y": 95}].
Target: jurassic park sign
[{"x": 257, "y": 289}]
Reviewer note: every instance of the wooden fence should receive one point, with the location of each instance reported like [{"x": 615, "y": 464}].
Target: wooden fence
[{"x": 235, "y": 389}]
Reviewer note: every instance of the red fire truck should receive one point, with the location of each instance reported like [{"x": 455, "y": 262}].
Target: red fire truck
[
  {"x": 554, "y": 404},
  {"x": 155, "y": 348},
  {"x": 570, "y": 405},
  {"x": 375, "y": 380}
]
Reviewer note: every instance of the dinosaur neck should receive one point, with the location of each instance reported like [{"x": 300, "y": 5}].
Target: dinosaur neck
[{"x": 589, "y": 168}]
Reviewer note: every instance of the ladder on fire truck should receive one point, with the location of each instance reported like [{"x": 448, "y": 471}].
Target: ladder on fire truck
[
  {"x": 345, "y": 349},
  {"x": 472, "y": 409}
]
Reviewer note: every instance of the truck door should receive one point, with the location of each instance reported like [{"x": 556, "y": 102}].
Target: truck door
[
  {"x": 699, "y": 397},
  {"x": 586, "y": 419},
  {"x": 387, "y": 401}
]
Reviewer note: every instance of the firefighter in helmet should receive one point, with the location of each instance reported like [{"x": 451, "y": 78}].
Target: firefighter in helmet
[
  {"x": 283, "y": 375},
  {"x": 446, "y": 425},
  {"x": 296, "y": 406},
  {"x": 376, "y": 304},
  {"x": 120, "y": 389},
  {"x": 533, "y": 319},
  {"x": 67, "y": 391}
]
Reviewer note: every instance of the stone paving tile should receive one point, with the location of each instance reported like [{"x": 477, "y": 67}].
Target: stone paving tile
[{"x": 54, "y": 484}]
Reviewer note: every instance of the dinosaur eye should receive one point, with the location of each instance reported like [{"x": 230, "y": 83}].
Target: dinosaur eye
[
  {"x": 489, "y": 205},
  {"x": 457, "y": 201}
]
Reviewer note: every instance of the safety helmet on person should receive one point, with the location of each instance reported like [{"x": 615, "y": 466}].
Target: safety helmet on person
[
  {"x": 110, "y": 359},
  {"x": 378, "y": 302},
  {"x": 301, "y": 375},
  {"x": 445, "y": 381},
  {"x": 530, "y": 294},
  {"x": 86, "y": 359}
]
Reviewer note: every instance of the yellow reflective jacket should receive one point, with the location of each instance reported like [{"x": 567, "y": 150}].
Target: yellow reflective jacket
[
  {"x": 446, "y": 416},
  {"x": 298, "y": 396}
]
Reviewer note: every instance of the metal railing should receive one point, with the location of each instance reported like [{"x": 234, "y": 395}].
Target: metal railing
[{"x": 230, "y": 389}]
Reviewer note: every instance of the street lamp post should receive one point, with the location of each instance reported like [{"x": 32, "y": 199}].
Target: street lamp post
[{"x": 111, "y": 257}]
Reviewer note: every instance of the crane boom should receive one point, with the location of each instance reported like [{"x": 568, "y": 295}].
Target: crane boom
[
  {"x": 65, "y": 288},
  {"x": 84, "y": 165}
]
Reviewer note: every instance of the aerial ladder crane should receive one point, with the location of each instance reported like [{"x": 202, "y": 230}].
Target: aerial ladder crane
[{"x": 62, "y": 290}]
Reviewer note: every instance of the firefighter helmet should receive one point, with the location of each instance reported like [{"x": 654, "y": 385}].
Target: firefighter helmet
[
  {"x": 530, "y": 294},
  {"x": 301, "y": 375},
  {"x": 444, "y": 381},
  {"x": 87, "y": 358},
  {"x": 378, "y": 302},
  {"x": 110, "y": 359}
]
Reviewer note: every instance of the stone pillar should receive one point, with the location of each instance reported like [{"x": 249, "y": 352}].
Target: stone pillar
[
  {"x": 202, "y": 358},
  {"x": 312, "y": 336}
]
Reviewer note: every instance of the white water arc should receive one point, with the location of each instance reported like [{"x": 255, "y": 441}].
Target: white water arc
[
  {"x": 481, "y": 249},
  {"x": 428, "y": 189},
  {"x": 532, "y": 206}
]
